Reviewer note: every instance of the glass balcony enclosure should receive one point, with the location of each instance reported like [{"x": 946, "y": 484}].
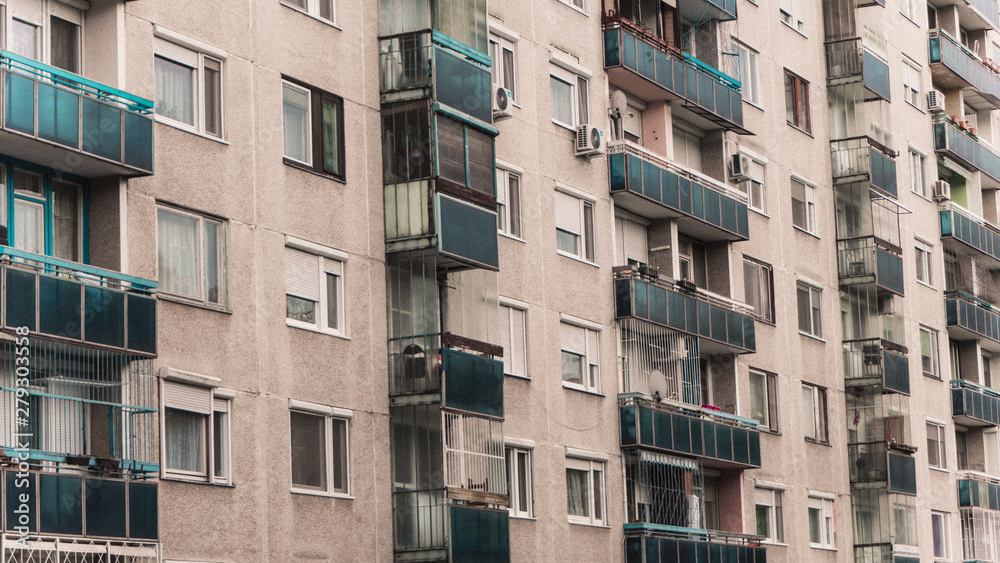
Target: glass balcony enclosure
[
  {"x": 955, "y": 66},
  {"x": 970, "y": 318},
  {"x": 848, "y": 60},
  {"x": 464, "y": 21}
]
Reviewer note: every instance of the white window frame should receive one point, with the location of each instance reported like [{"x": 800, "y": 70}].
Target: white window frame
[
  {"x": 578, "y": 5},
  {"x": 513, "y": 314},
  {"x": 512, "y": 451},
  {"x": 924, "y": 262},
  {"x": 506, "y": 224},
  {"x": 312, "y": 9},
  {"x": 918, "y": 173},
  {"x": 936, "y": 433},
  {"x": 329, "y": 415},
  {"x": 175, "y": 47},
  {"x": 327, "y": 259},
  {"x": 933, "y": 343},
  {"x": 71, "y": 11},
  {"x": 591, "y": 359},
  {"x": 770, "y": 382},
  {"x": 202, "y": 298},
  {"x": 911, "y": 81},
  {"x": 815, "y": 304},
  {"x": 757, "y": 183},
  {"x": 818, "y": 407},
  {"x": 219, "y": 401},
  {"x": 765, "y": 281},
  {"x": 790, "y": 14},
  {"x": 775, "y": 508},
  {"x": 751, "y": 84},
  {"x": 499, "y": 43},
  {"x": 939, "y": 525},
  {"x": 578, "y": 98},
  {"x": 909, "y": 9},
  {"x": 308, "y": 133},
  {"x": 809, "y": 193},
  {"x": 827, "y": 528},
  {"x": 586, "y": 238},
  {"x": 590, "y": 466}
]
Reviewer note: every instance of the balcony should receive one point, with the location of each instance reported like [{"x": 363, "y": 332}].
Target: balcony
[
  {"x": 64, "y": 121},
  {"x": 972, "y": 319},
  {"x": 723, "y": 326},
  {"x": 954, "y": 66},
  {"x": 976, "y": 490},
  {"x": 646, "y": 184},
  {"x": 654, "y": 543},
  {"x": 960, "y": 226},
  {"x": 870, "y": 260},
  {"x": 717, "y": 439},
  {"x": 979, "y": 502},
  {"x": 862, "y": 159},
  {"x": 79, "y": 303},
  {"x": 472, "y": 382},
  {"x": 422, "y": 518},
  {"x": 876, "y": 362},
  {"x": 848, "y": 61},
  {"x": 651, "y": 69},
  {"x": 963, "y": 146},
  {"x": 974, "y": 405}
]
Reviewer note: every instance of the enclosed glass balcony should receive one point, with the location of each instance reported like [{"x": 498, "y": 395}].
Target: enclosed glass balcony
[
  {"x": 868, "y": 260},
  {"x": 652, "y": 543},
  {"x": 953, "y": 65},
  {"x": 723, "y": 326},
  {"x": 654, "y": 70},
  {"x": 959, "y": 225},
  {"x": 970, "y": 318},
  {"x": 979, "y": 508},
  {"x": 472, "y": 382},
  {"x": 646, "y": 184},
  {"x": 861, "y": 159},
  {"x": 974, "y": 405},
  {"x": 962, "y": 145},
  {"x": 61, "y": 120},
  {"x": 876, "y": 362},
  {"x": 848, "y": 60},
  {"x": 716, "y": 439}
]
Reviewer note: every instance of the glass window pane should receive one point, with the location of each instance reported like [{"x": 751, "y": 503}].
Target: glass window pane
[
  {"x": 763, "y": 524},
  {"x": 514, "y": 204},
  {"x": 29, "y": 226},
  {"x": 326, "y": 9},
  {"x": 577, "y": 492},
  {"x": 175, "y": 85},
  {"x": 581, "y": 93},
  {"x": 300, "y": 309},
  {"x": 572, "y": 368},
  {"x": 28, "y": 182},
  {"x": 598, "y": 495},
  {"x": 213, "y": 268},
  {"x": 24, "y": 39},
  {"x": 295, "y": 103},
  {"x": 332, "y": 305},
  {"x": 567, "y": 242},
  {"x": 815, "y": 515},
  {"x": 220, "y": 443},
  {"x": 65, "y": 221},
  {"x": 64, "y": 44},
  {"x": 340, "y": 455},
  {"x": 522, "y": 482},
  {"x": 213, "y": 97},
  {"x": 808, "y": 412},
  {"x": 508, "y": 71},
  {"x": 562, "y": 101},
  {"x": 588, "y": 231},
  {"x": 758, "y": 398},
  {"x": 805, "y": 318},
  {"x": 308, "y": 450},
  {"x": 331, "y": 137},
  {"x": 185, "y": 440},
  {"x": 799, "y": 205},
  {"x": 177, "y": 253}
]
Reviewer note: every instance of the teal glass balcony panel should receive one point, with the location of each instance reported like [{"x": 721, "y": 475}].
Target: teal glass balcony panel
[
  {"x": 897, "y": 372},
  {"x": 978, "y": 491},
  {"x": 857, "y": 159},
  {"x": 876, "y": 75},
  {"x": 694, "y": 313},
  {"x": 643, "y": 183},
  {"x": 987, "y": 10},
  {"x": 975, "y": 233},
  {"x": 883, "y": 173},
  {"x": 902, "y": 474},
  {"x": 79, "y": 302},
  {"x": 952, "y": 141},
  {"x": 479, "y": 535},
  {"x": 464, "y": 155},
  {"x": 974, "y": 405},
  {"x": 83, "y": 506},
  {"x": 653, "y": 543},
  {"x": 890, "y": 270},
  {"x": 472, "y": 383},
  {"x": 57, "y": 118},
  {"x": 466, "y": 232},
  {"x": 864, "y": 260},
  {"x": 653, "y": 71},
  {"x": 462, "y": 84},
  {"x": 718, "y": 441},
  {"x": 872, "y": 362},
  {"x": 965, "y": 68},
  {"x": 972, "y": 319}
]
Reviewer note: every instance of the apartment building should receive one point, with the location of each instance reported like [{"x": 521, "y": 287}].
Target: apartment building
[{"x": 593, "y": 280}]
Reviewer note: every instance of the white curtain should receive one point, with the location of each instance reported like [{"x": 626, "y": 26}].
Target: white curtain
[
  {"x": 29, "y": 224},
  {"x": 577, "y": 492},
  {"x": 174, "y": 90},
  {"x": 185, "y": 440},
  {"x": 24, "y": 39},
  {"x": 178, "y": 253}
]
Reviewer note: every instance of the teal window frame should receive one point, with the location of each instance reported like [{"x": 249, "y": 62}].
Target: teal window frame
[{"x": 466, "y": 123}]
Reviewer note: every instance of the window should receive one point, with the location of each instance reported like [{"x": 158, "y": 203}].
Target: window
[
  {"x": 34, "y": 23},
  {"x": 574, "y": 226},
  {"x": 939, "y": 532},
  {"x": 906, "y": 521},
  {"x": 770, "y": 521},
  {"x": 791, "y": 13},
  {"x": 585, "y": 491},
  {"x": 814, "y": 413},
  {"x": 764, "y": 399},
  {"x": 962, "y": 450},
  {"x": 909, "y": 9},
  {"x": 519, "y": 482},
  {"x": 821, "y": 531},
  {"x": 320, "y": 451},
  {"x": 313, "y": 128},
  {"x": 323, "y": 9},
  {"x": 804, "y": 206},
  {"x": 502, "y": 57},
  {"x": 935, "y": 446},
  {"x": 754, "y": 186},
  {"x": 758, "y": 289},
  {"x": 509, "y": 202},
  {"x": 314, "y": 290},
  {"x": 797, "y": 102},
  {"x": 692, "y": 261},
  {"x": 929, "y": 352},
  {"x": 193, "y": 418},
  {"x": 911, "y": 81},
  {"x": 748, "y": 73},
  {"x": 48, "y": 214},
  {"x": 631, "y": 246},
  {"x": 580, "y": 357},
  {"x": 810, "y": 315},
  {"x": 578, "y": 4},
  {"x": 191, "y": 253},
  {"x": 687, "y": 144},
  {"x": 918, "y": 183},
  {"x": 924, "y": 259},
  {"x": 569, "y": 98},
  {"x": 513, "y": 338},
  {"x": 188, "y": 88}
]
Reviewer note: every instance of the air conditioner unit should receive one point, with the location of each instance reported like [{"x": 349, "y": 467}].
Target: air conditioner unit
[
  {"x": 739, "y": 167},
  {"x": 589, "y": 141},
  {"x": 942, "y": 190},
  {"x": 935, "y": 101},
  {"x": 501, "y": 103}
]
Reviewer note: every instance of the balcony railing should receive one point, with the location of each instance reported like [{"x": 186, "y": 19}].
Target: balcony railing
[
  {"x": 696, "y": 313},
  {"x": 426, "y": 522},
  {"x": 974, "y": 405},
  {"x": 979, "y": 235},
  {"x": 876, "y": 362},
  {"x": 860, "y": 159},
  {"x": 656, "y": 543},
  {"x": 987, "y": 10},
  {"x": 970, "y": 319},
  {"x": 78, "y": 302},
  {"x": 720, "y": 439},
  {"x": 848, "y": 60},
  {"x": 867, "y": 260},
  {"x": 954, "y": 142},
  {"x": 65, "y": 121},
  {"x": 965, "y": 65},
  {"x": 652, "y": 69},
  {"x": 654, "y": 187},
  {"x": 54, "y": 548},
  {"x": 976, "y": 490}
]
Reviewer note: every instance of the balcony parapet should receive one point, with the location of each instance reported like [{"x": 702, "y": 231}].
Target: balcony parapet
[
  {"x": 863, "y": 159},
  {"x": 962, "y": 225},
  {"x": 647, "y": 542},
  {"x": 870, "y": 260},
  {"x": 877, "y": 362},
  {"x": 970, "y": 318},
  {"x": 970, "y": 71},
  {"x": 962, "y": 145},
  {"x": 848, "y": 61},
  {"x": 974, "y": 405}
]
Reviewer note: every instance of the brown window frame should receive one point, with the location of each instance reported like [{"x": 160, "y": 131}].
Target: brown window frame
[
  {"x": 316, "y": 99},
  {"x": 797, "y": 102}
]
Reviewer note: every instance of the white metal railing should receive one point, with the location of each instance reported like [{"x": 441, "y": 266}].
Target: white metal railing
[{"x": 54, "y": 549}]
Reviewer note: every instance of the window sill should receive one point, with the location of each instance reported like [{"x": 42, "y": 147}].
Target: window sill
[
  {"x": 928, "y": 286},
  {"x": 909, "y": 19},
  {"x": 932, "y": 376},
  {"x": 912, "y": 105},
  {"x": 822, "y": 547},
  {"x": 564, "y": 3},
  {"x": 312, "y": 328},
  {"x": 939, "y": 469},
  {"x": 325, "y": 494},
  {"x": 582, "y": 389},
  {"x": 576, "y": 258},
  {"x": 763, "y": 320},
  {"x": 590, "y": 525},
  {"x": 195, "y": 481},
  {"x": 524, "y": 377},
  {"x": 564, "y": 126},
  {"x": 180, "y": 299},
  {"x": 188, "y": 129},
  {"x": 806, "y": 334},
  {"x": 799, "y": 129},
  {"x": 803, "y": 231},
  {"x": 528, "y": 518},
  {"x": 311, "y": 170},
  {"x": 773, "y": 543},
  {"x": 817, "y": 442},
  {"x": 921, "y": 196},
  {"x": 512, "y": 237},
  {"x": 769, "y": 431},
  {"x": 317, "y": 18},
  {"x": 793, "y": 28},
  {"x": 758, "y": 212},
  {"x": 752, "y": 104}
]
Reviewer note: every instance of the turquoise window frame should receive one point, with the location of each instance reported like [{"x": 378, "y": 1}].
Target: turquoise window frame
[
  {"x": 467, "y": 122},
  {"x": 48, "y": 175}
]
